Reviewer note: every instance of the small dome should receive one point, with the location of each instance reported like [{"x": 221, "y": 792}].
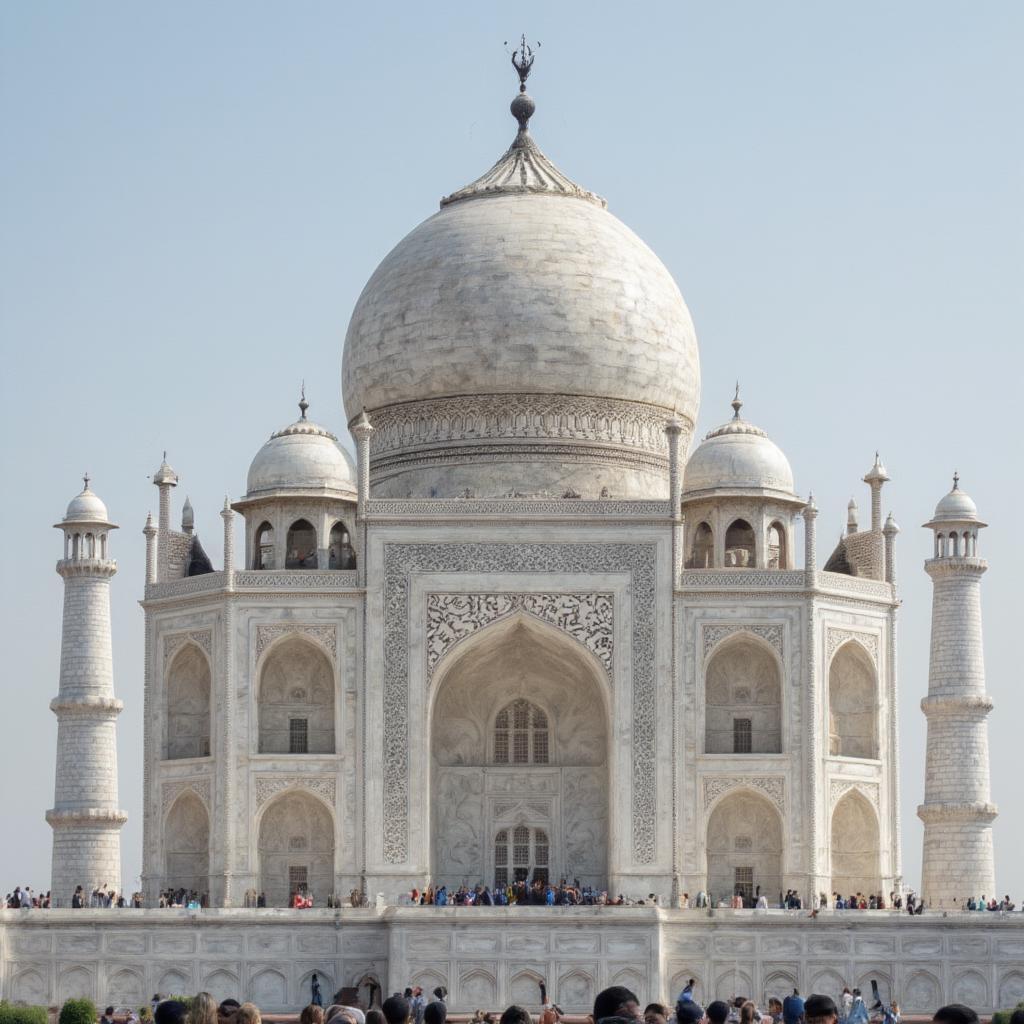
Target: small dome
[
  {"x": 957, "y": 505},
  {"x": 86, "y": 507},
  {"x": 302, "y": 457},
  {"x": 738, "y": 456}
]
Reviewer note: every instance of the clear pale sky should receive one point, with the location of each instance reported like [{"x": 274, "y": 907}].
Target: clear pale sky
[{"x": 193, "y": 195}]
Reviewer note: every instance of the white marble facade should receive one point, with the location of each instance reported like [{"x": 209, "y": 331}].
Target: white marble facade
[{"x": 528, "y": 633}]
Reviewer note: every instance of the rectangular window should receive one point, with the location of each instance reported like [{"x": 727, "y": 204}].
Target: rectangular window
[
  {"x": 540, "y": 746},
  {"x": 521, "y": 747},
  {"x": 744, "y": 883},
  {"x": 298, "y": 735},
  {"x": 501, "y": 877},
  {"x": 741, "y": 736},
  {"x": 501, "y": 747},
  {"x": 298, "y": 879}
]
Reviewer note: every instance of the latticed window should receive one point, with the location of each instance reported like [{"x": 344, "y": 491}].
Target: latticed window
[
  {"x": 521, "y": 855},
  {"x": 741, "y": 735},
  {"x": 744, "y": 883},
  {"x": 521, "y": 734},
  {"x": 298, "y": 735},
  {"x": 298, "y": 879}
]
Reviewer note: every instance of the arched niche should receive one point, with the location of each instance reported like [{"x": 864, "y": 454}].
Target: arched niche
[
  {"x": 743, "y": 698},
  {"x": 300, "y": 546},
  {"x": 187, "y": 845},
  {"x": 341, "y": 554},
  {"x": 744, "y": 847},
  {"x": 296, "y": 699},
  {"x": 519, "y": 659},
  {"x": 740, "y": 545},
  {"x": 263, "y": 547},
  {"x": 188, "y": 704},
  {"x": 853, "y": 703},
  {"x": 778, "y": 553},
  {"x": 296, "y": 849},
  {"x": 856, "y": 849},
  {"x": 702, "y": 550}
]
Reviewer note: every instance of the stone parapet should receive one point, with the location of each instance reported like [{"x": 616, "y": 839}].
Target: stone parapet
[{"x": 491, "y": 956}]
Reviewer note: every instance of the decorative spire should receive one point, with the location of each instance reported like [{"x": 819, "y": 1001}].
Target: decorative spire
[
  {"x": 523, "y": 169},
  {"x": 956, "y": 480},
  {"x": 85, "y": 479},
  {"x": 303, "y": 404},
  {"x": 736, "y": 403}
]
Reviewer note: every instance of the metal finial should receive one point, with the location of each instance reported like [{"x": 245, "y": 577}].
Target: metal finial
[
  {"x": 736, "y": 403},
  {"x": 522, "y": 61},
  {"x": 956, "y": 480},
  {"x": 85, "y": 479},
  {"x": 303, "y": 404}
]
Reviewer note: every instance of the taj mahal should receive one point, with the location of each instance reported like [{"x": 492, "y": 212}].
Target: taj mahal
[{"x": 535, "y": 630}]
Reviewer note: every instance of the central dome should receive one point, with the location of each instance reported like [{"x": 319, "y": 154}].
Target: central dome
[{"x": 521, "y": 340}]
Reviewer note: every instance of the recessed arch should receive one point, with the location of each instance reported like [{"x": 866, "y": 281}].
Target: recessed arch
[
  {"x": 296, "y": 698},
  {"x": 853, "y": 702},
  {"x": 188, "y": 716},
  {"x": 519, "y": 658},
  {"x": 263, "y": 547},
  {"x": 187, "y": 845},
  {"x": 300, "y": 546},
  {"x": 743, "y": 697},
  {"x": 778, "y": 548},
  {"x": 296, "y": 848},
  {"x": 744, "y": 846},
  {"x": 922, "y": 993},
  {"x": 702, "y": 549},
  {"x": 341, "y": 554},
  {"x": 855, "y": 847},
  {"x": 740, "y": 545}
]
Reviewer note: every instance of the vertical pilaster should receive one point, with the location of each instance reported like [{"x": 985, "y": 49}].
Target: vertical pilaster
[
  {"x": 149, "y": 532},
  {"x": 165, "y": 478},
  {"x": 226, "y": 814}
]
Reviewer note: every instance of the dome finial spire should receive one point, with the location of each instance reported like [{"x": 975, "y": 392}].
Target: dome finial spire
[
  {"x": 303, "y": 404},
  {"x": 736, "y": 403},
  {"x": 956, "y": 480},
  {"x": 522, "y": 60},
  {"x": 85, "y": 479}
]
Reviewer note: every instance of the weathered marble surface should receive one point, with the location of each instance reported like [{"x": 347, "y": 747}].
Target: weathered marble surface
[{"x": 491, "y": 957}]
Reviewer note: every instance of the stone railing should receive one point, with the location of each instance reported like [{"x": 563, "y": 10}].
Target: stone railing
[
  {"x": 785, "y": 580},
  {"x": 516, "y": 508},
  {"x": 264, "y": 579}
]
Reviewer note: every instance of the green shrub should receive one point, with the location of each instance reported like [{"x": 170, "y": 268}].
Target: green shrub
[
  {"x": 999, "y": 1017},
  {"x": 78, "y": 1011},
  {"x": 11, "y": 1014}
]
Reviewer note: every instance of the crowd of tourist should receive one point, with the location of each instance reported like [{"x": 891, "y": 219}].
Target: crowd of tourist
[
  {"x": 614, "y": 1005},
  {"x": 539, "y": 892}
]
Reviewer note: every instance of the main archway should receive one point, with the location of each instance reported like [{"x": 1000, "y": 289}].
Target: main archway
[{"x": 528, "y": 703}]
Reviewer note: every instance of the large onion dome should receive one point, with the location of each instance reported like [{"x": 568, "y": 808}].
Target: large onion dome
[{"x": 524, "y": 340}]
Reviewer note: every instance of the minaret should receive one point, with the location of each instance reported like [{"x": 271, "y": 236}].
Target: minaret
[
  {"x": 165, "y": 478},
  {"x": 957, "y": 811},
  {"x": 85, "y": 818},
  {"x": 875, "y": 477}
]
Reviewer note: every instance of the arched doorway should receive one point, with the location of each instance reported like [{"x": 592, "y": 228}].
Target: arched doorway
[
  {"x": 744, "y": 847},
  {"x": 187, "y": 845},
  {"x": 296, "y": 849},
  {"x": 853, "y": 703},
  {"x": 528, "y": 703},
  {"x": 743, "y": 699},
  {"x": 702, "y": 554},
  {"x": 300, "y": 547},
  {"x": 740, "y": 545},
  {"x": 188, "y": 705},
  {"x": 296, "y": 699},
  {"x": 855, "y": 846}
]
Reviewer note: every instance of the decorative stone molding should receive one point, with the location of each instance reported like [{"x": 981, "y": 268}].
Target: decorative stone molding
[
  {"x": 413, "y": 426},
  {"x": 519, "y": 506},
  {"x": 267, "y": 633},
  {"x": 768, "y": 579},
  {"x": 835, "y": 638},
  {"x": 772, "y": 786},
  {"x": 268, "y": 786},
  {"x": 175, "y": 641},
  {"x": 170, "y": 791},
  {"x": 840, "y": 787},
  {"x": 401, "y": 561},
  {"x": 712, "y": 636},
  {"x": 296, "y": 579},
  {"x": 587, "y": 618}
]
